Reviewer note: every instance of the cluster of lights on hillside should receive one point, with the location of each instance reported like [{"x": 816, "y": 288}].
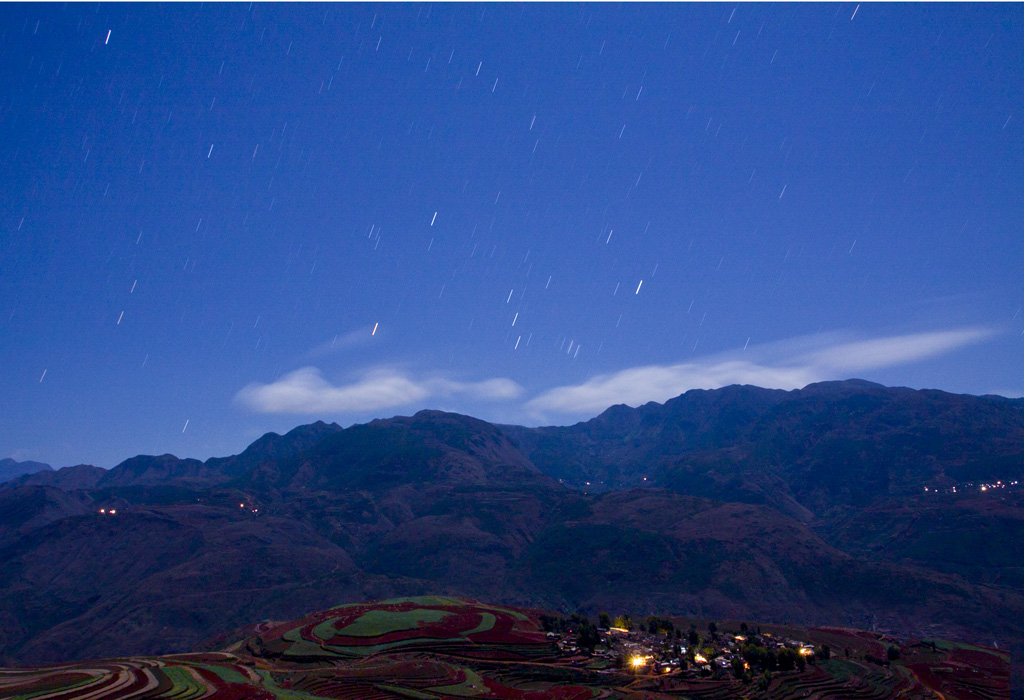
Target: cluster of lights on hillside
[{"x": 968, "y": 487}]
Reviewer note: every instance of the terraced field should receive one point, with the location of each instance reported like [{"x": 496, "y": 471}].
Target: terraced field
[{"x": 435, "y": 648}]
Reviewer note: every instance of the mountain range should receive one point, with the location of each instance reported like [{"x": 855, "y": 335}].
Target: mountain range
[{"x": 843, "y": 503}]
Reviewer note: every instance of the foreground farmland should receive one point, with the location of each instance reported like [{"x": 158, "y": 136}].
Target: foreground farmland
[{"x": 433, "y": 648}]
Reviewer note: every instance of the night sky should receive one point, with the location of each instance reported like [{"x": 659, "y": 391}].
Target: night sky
[{"x": 225, "y": 219}]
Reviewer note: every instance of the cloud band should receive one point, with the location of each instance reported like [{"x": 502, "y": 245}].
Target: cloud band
[{"x": 306, "y": 391}]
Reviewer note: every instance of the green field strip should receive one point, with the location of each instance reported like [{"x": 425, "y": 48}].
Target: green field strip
[
  {"x": 325, "y": 630},
  {"x": 293, "y": 635},
  {"x": 463, "y": 689},
  {"x": 301, "y": 647},
  {"x": 508, "y": 611},
  {"x": 307, "y": 650},
  {"x": 429, "y": 644},
  {"x": 487, "y": 621},
  {"x": 225, "y": 673},
  {"x": 377, "y": 623},
  {"x": 425, "y": 600},
  {"x": 184, "y": 685}
]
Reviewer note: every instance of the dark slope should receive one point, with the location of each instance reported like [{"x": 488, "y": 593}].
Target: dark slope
[
  {"x": 431, "y": 448},
  {"x": 622, "y": 445},
  {"x": 651, "y": 549},
  {"x": 158, "y": 578},
  {"x": 27, "y": 508},
  {"x": 273, "y": 446},
  {"x": 808, "y": 452}
]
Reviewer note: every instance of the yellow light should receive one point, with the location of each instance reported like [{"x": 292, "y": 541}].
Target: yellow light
[
  {"x": 806, "y": 651},
  {"x": 699, "y": 659},
  {"x": 637, "y": 661}
]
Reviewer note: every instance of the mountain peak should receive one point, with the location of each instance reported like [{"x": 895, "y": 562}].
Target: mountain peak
[{"x": 844, "y": 385}]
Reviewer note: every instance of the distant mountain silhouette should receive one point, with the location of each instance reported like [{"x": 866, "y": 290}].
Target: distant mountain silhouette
[
  {"x": 82, "y": 476},
  {"x": 9, "y": 469},
  {"x": 806, "y": 506}
]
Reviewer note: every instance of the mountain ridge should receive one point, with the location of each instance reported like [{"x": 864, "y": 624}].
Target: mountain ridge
[{"x": 790, "y": 506}]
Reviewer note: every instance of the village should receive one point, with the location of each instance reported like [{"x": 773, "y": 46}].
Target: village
[{"x": 656, "y": 646}]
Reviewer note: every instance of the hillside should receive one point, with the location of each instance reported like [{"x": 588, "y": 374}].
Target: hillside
[
  {"x": 433, "y": 648},
  {"x": 813, "y": 451},
  {"x": 806, "y": 507}
]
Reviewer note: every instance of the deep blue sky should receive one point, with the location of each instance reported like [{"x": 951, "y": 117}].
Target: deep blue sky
[{"x": 543, "y": 209}]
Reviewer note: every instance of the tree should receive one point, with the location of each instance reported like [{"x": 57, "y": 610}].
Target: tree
[
  {"x": 892, "y": 653},
  {"x": 743, "y": 627},
  {"x": 712, "y": 628},
  {"x": 825, "y": 652},
  {"x": 738, "y": 668},
  {"x": 787, "y": 659},
  {"x": 588, "y": 636},
  {"x": 603, "y": 620},
  {"x": 755, "y": 655},
  {"x": 694, "y": 638},
  {"x": 578, "y": 619}
]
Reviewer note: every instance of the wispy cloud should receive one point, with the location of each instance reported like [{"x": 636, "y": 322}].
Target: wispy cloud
[
  {"x": 787, "y": 365},
  {"x": 306, "y": 391},
  {"x": 343, "y": 341},
  {"x": 894, "y": 350}
]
